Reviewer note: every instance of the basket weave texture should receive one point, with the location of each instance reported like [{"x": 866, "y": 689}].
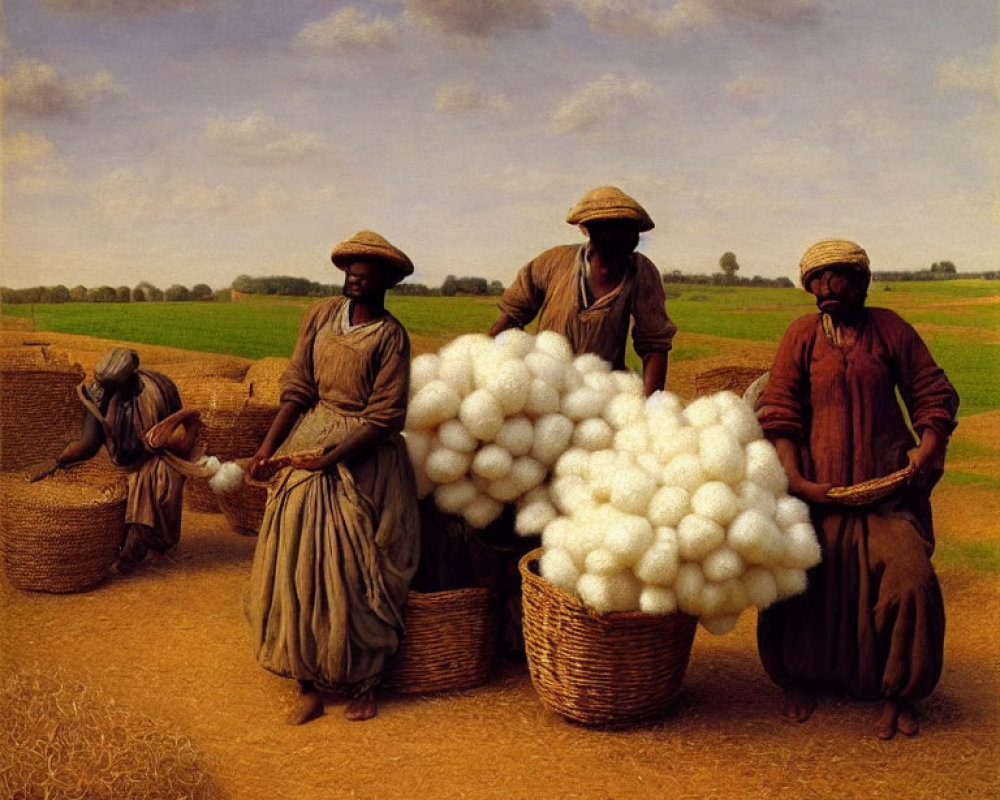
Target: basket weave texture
[
  {"x": 601, "y": 669},
  {"x": 198, "y": 496},
  {"x": 244, "y": 508},
  {"x": 233, "y": 422},
  {"x": 450, "y": 642},
  {"x": 61, "y": 534},
  {"x": 732, "y": 378},
  {"x": 867, "y": 492}
]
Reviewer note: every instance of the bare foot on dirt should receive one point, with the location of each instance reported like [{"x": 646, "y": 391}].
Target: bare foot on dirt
[
  {"x": 308, "y": 705},
  {"x": 361, "y": 707},
  {"x": 896, "y": 716},
  {"x": 799, "y": 704}
]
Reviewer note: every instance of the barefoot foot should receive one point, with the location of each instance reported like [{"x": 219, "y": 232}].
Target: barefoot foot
[
  {"x": 887, "y": 722},
  {"x": 799, "y": 704},
  {"x": 361, "y": 707},
  {"x": 308, "y": 705}
]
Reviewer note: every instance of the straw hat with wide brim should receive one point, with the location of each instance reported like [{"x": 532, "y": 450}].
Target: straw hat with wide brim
[
  {"x": 369, "y": 246},
  {"x": 608, "y": 203},
  {"x": 830, "y": 252}
]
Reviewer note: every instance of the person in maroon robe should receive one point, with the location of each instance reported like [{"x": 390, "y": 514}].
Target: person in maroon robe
[{"x": 871, "y": 622}]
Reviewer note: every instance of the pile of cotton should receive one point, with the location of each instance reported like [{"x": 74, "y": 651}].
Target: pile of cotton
[
  {"x": 676, "y": 508},
  {"x": 488, "y": 418}
]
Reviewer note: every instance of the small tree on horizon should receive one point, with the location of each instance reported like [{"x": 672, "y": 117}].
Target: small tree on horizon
[{"x": 729, "y": 266}]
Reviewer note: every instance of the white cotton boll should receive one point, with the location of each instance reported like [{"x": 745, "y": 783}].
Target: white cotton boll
[
  {"x": 516, "y": 436},
  {"x": 515, "y": 342},
  {"x": 227, "y": 478},
  {"x": 657, "y": 600},
  {"x": 593, "y": 434},
  {"x": 673, "y": 442},
  {"x": 595, "y": 592},
  {"x": 668, "y": 506},
  {"x": 546, "y": 368},
  {"x": 719, "y": 626},
  {"x": 633, "y": 438},
  {"x": 629, "y": 537},
  {"x": 211, "y": 463},
  {"x": 741, "y": 422},
  {"x": 757, "y": 497},
  {"x": 625, "y": 591},
  {"x": 482, "y": 415},
  {"x": 685, "y": 472},
  {"x": 575, "y": 461},
  {"x": 720, "y": 454},
  {"x": 423, "y": 369},
  {"x": 558, "y": 568},
  {"x": 629, "y": 382},
  {"x": 764, "y": 468},
  {"x": 457, "y": 373},
  {"x": 455, "y": 436},
  {"x": 503, "y": 489},
  {"x": 603, "y": 384},
  {"x": 511, "y": 384},
  {"x": 632, "y": 489},
  {"x": 465, "y": 346},
  {"x": 533, "y": 517},
  {"x": 583, "y": 539},
  {"x": 717, "y": 501},
  {"x": 444, "y": 465},
  {"x": 802, "y": 551},
  {"x": 557, "y": 533},
  {"x": 582, "y": 403},
  {"x": 722, "y": 564},
  {"x": 712, "y": 600},
  {"x": 602, "y": 472},
  {"x": 790, "y": 511},
  {"x": 590, "y": 362},
  {"x": 726, "y": 399},
  {"x": 702, "y": 413},
  {"x": 737, "y": 597},
  {"x": 687, "y": 586},
  {"x": 603, "y": 562},
  {"x": 661, "y": 400},
  {"x": 570, "y": 493},
  {"x": 555, "y": 345},
  {"x": 651, "y": 464},
  {"x": 492, "y": 462},
  {"x": 698, "y": 536},
  {"x": 666, "y": 535},
  {"x": 572, "y": 379},
  {"x": 542, "y": 399},
  {"x": 454, "y": 497},
  {"x": 432, "y": 405},
  {"x": 552, "y": 437},
  {"x": 762, "y": 591},
  {"x": 790, "y": 582},
  {"x": 623, "y": 410},
  {"x": 526, "y": 473},
  {"x": 424, "y": 484},
  {"x": 658, "y": 564},
  {"x": 482, "y": 511},
  {"x": 755, "y": 537}
]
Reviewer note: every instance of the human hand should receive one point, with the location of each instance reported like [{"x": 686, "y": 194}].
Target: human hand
[
  {"x": 810, "y": 491},
  {"x": 927, "y": 460},
  {"x": 314, "y": 460}
]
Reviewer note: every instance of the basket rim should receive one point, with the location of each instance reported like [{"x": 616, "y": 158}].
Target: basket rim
[{"x": 873, "y": 489}]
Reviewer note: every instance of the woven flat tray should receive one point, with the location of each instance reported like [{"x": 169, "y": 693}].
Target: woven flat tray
[{"x": 876, "y": 489}]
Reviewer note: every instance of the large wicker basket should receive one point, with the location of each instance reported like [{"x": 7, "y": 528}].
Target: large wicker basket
[
  {"x": 601, "y": 669},
  {"x": 244, "y": 508},
  {"x": 732, "y": 378},
  {"x": 61, "y": 534},
  {"x": 450, "y": 642}
]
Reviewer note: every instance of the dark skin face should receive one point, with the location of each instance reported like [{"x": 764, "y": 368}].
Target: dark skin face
[
  {"x": 365, "y": 281},
  {"x": 840, "y": 291},
  {"x": 613, "y": 238}
]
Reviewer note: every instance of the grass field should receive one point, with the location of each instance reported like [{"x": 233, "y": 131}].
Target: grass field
[{"x": 959, "y": 320}]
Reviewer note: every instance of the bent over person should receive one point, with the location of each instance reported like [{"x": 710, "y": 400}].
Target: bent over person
[
  {"x": 340, "y": 538},
  {"x": 136, "y": 414},
  {"x": 591, "y": 293},
  {"x": 871, "y": 622}
]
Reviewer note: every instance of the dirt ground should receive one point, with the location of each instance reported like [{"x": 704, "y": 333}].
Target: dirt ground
[{"x": 170, "y": 641}]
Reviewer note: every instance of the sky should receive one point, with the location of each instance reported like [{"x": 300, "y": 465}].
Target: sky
[{"x": 191, "y": 141}]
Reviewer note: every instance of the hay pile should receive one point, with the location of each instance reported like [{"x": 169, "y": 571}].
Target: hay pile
[{"x": 61, "y": 738}]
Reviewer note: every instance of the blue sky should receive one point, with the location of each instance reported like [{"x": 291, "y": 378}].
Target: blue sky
[{"x": 189, "y": 141}]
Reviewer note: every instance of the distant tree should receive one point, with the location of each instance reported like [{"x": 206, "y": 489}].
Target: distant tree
[
  {"x": 123, "y": 294},
  {"x": 147, "y": 290},
  {"x": 138, "y": 295},
  {"x": 102, "y": 294},
  {"x": 728, "y": 265},
  {"x": 202, "y": 291},
  {"x": 56, "y": 294},
  {"x": 450, "y": 286},
  {"x": 785, "y": 283},
  {"x": 78, "y": 294},
  {"x": 495, "y": 288},
  {"x": 177, "y": 292},
  {"x": 943, "y": 268}
]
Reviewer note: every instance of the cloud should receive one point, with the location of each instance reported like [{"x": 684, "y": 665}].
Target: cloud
[
  {"x": 124, "y": 193},
  {"x": 646, "y": 19},
  {"x": 273, "y": 198},
  {"x": 261, "y": 139},
  {"x": 607, "y": 97},
  {"x": 959, "y": 75},
  {"x": 26, "y": 151},
  {"x": 31, "y": 166},
  {"x": 127, "y": 8},
  {"x": 483, "y": 17},
  {"x": 464, "y": 97},
  {"x": 35, "y": 87},
  {"x": 195, "y": 195},
  {"x": 349, "y": 29},
  {"x": 747, "y": 87}
]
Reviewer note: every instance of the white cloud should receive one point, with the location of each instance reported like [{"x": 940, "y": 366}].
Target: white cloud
[
  {"x": 747, "y": 87},
  {"x": 464, "y": 97},
  {"x": 349, "y": 29},
  {"x": 124, "y": 193},
  {"x": 483, "y": 17},
  {"x": 195, "y": 195},
  {"x": 603, "y": 99},
  {"x": 797, "y": 160},
  {"x": 273, "y": 198},
  {"x": 26, "y": 151},
  {"x": 261, "y": 139},
  {"x": 37, "y": 88},
  {"x": 31, "y": 166},
  {"x": 959, "y": 75}
]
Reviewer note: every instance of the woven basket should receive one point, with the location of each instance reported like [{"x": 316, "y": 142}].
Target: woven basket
[
  {"x": 733, "y": 378},
  {"x": 867, "y": 492},
  {"x": 61, "y": 534},
  {"x": 264, "y": 379},
  {"x": 601, "y": 669},
  {"x": 198, "y": 496},
  {"x": 450, "y": 642},
  {"x": 233, "y": 422},
  {"x": 244, "y": 508}
]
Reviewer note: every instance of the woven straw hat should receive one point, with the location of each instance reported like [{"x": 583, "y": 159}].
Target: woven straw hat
[
  {"x": 608, "y": 202},
  {"x": 368, "y": 245},
  {"x": 830, "y": 252}
]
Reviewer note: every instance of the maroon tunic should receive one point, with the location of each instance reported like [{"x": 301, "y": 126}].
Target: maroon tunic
[{"x": 872, "y": 619}]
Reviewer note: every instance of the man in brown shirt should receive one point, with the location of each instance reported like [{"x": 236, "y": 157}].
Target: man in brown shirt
[{"x": 591, "y": 293}]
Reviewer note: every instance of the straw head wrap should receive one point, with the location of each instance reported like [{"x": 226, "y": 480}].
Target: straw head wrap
[
  {"x": 830, "y": 252},
  {"x": 607, "y": 203},
  {"x": 369, "y": 246},
  {"x": 116, "y": 366}
]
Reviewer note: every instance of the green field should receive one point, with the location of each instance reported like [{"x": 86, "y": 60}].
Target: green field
[{"x": 960, "y": 320}]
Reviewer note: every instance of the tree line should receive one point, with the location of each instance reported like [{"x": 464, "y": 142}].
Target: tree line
[{"x": 140, "y": 293}]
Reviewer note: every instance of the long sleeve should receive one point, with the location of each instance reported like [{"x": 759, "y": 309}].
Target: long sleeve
[
  {"x": 298, "y": 382},
  {"x": 784, "y": 403},
  {"x": 523, "y": 299},
  {"x": 653, "y": 331},
  {"x": 391, "y": 387}
]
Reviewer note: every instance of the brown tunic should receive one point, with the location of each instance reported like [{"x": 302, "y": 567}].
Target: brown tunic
[
  {"x": 871, "y": 621},
  {"x": 337, "y": 549},
  {"x": 549, "y": 287}
]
